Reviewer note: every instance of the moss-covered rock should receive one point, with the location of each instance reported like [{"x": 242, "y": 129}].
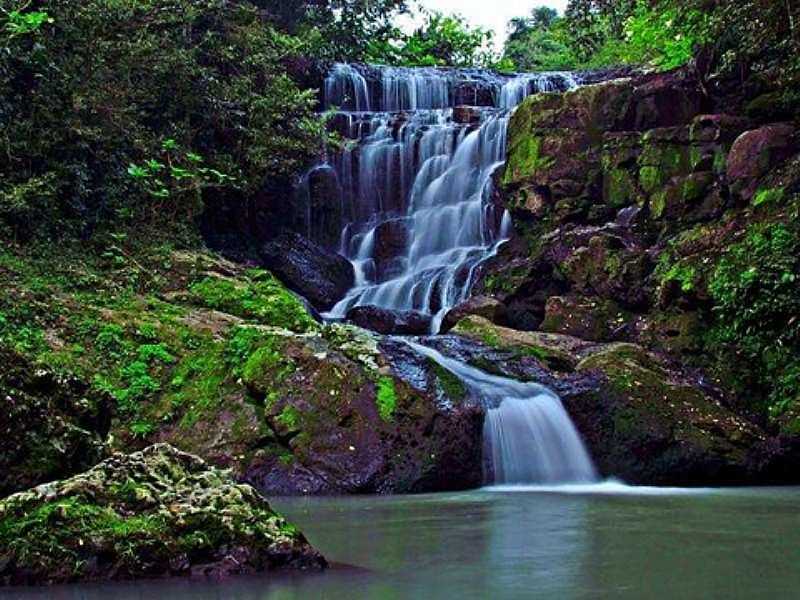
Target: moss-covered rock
[
  {"x": 51, "y": 425},
  {"x": 152, "y": 513},
  {"x": 335, "y": 417},
  {"x": 644, "y": 419}
]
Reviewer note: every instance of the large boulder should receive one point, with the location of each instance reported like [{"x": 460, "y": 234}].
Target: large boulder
[
  {"x": 644, "y": 420},
  {"x": 153, "y": 513},
  {"x": 309, "y": 269},
  {"x": 51, "y": 425},
  {"x": 755, "y": 152},
  {"x": 483, "y": 306},
  {"x": 383, "y": 320},
  {"x": 334, "y": 412}
]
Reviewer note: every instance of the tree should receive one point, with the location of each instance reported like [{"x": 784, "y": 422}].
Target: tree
[
  {"x": 443, "y": 40},
  {"x": 336, "y": 29},
  {"x": 539, "y": 42}
]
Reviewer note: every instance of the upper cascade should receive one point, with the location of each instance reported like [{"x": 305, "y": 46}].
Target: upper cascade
[
  {"x": 367, "y": 88},
  {"x": 410, "y": 195}
]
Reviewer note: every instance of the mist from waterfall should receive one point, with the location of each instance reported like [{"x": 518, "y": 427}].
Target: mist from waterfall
[{"x": 416, "y": 192}]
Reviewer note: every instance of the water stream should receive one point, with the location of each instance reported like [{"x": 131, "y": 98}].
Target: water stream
[
  {"x": 415, "y": 189},
  {"x": 528, "y": 435},
  {"x": 415, "y": 184}
]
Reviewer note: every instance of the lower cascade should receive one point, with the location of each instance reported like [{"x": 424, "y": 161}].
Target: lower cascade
[
  {"x": 414, "y": 185},
  {"x": 528, "y": 436}
]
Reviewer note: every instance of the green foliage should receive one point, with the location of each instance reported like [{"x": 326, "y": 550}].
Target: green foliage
[
  {"x": 443, "y": 40},
  {"x": 754, "y": 288},
  {"x": 540, "y": 42},
  {"x": 24, "y": 23},
  {"x": 339, "y": 30},
  {"x": 127, "y": 112},
  {"x": 386, "y": 398},
  {"x": 261, "y": 298},
  {"x": 768, "y": 196}
]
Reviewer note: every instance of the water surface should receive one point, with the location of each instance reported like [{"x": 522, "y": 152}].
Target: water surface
[{"x": 583, "y": 541}]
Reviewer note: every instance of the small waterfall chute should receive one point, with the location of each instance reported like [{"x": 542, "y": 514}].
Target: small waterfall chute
[{"x": 529, "y": 437}]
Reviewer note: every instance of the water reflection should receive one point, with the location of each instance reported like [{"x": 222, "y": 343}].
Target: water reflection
[{"x": 549, "y": 543}]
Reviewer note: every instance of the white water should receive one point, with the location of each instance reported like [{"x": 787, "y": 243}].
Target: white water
[
  {"x": 418, "y": 221},
  {"x": 416, "y": 187},
  {"x": 528, "y": 435}
]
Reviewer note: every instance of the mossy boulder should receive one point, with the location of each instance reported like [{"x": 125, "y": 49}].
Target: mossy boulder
[
  {"x": 153, "y": 513},
  {"x": 757, "y": 151},
  {"x": 644, "y": 419},
  {"x": 647, "y": 423},
  {"x": 331, "y": 412},
  {"x": 51, "y": 425}
]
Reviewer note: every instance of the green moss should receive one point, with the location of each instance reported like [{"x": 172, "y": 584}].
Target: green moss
[
  {"x": 526, "y": 159},
  {"x": 619, "y": 190},
  {"x": 768, "y": 196},
  {"x": 53, "y": 533},
  {"x": 650, "y": 179},
  {"x": 386, "y": 398},
  {"x": 267, "y": 364},
  {"x": 290, "y": 418},
  {"x": 451, "y": 385},
  {"x": 261, "y": 298}
]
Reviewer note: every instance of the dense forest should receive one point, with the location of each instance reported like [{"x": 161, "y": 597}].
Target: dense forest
[{"x": 155, "y": 157}]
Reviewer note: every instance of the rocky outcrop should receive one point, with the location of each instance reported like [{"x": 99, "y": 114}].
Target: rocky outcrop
[
  {"x": 153, "y": 513},
  {"x": 342, "y": 422},
  {"x": 51, "y": 425},
  {"x": 313, "y": 272},
  {"x": 337, "y": 412},
  {"x": 644, "y": 420},
  {"x": 382, "y": 320},
  {"x": 755, "y": 153},
  {"x": 482, "y": 306}
]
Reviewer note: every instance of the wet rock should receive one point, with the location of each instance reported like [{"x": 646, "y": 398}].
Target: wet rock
[
  {"x": 391, "y": 241},
  {"x": 153, "y": 513},
  {"x": 382, "y": 320},
  {"x": 338, "y": 415},
  {"x": 51, "y": 425},
  {"x": 466, "y": 115},
  {"x": 644, "y": 420},
  {"x": 755, "y": 152},
  {"x": 317, "y": 274},
  {"x": 482, "y": 306}
]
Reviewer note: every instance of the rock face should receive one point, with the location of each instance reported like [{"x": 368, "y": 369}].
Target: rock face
[
  {"x": 643, "y": 420},
  {"x": 341, "y": 421},
  {"x": 51, "y": 426},
  {"x": 386, "y": 321},
  {"x": 628, "y": 197},
  {"x": 482, "y": 306},
  {"x": 152, "y": 513},
  {"x": 317, "y": 274},
  {"x": 755, "y": 152}
]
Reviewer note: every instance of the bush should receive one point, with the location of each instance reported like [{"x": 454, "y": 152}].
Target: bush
[
  {"x": 757, "y": 327},
  {"x": 138, "y": 111}
]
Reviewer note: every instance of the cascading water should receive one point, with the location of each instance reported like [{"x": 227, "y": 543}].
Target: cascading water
[
  {"x": 416, "y": 183},
  {"x": 528, "y": 435},
  {"x": 415, "y": 200}
]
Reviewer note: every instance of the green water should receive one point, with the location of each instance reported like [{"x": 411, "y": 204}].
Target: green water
[{"x": 595, "y": 542}]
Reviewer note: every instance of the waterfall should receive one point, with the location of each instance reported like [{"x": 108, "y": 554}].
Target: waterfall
[
  {"x": 528, "y": 435},
  {"x": 416, "y": 185},
  {"x": 418, "y": 218}
]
